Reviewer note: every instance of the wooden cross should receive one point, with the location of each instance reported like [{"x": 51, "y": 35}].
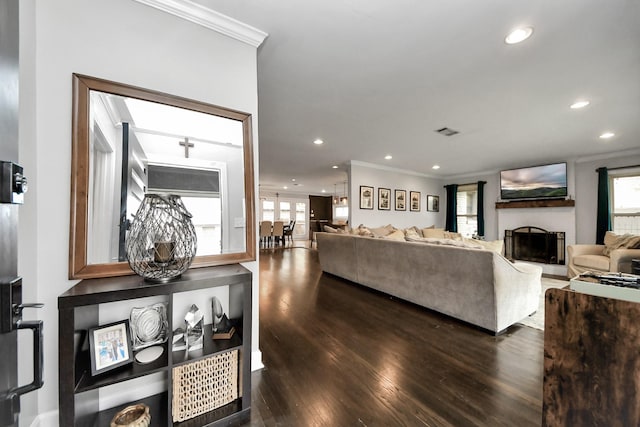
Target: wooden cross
[{"x": 186, "y": 144}]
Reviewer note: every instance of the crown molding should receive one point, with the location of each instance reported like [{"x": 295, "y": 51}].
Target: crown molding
[
  {"x": 609, "y": 155},
  {"x": 471, "y": 175},
  {"x": 209, "y": 18},
  {"x": 390, "y": 169}
]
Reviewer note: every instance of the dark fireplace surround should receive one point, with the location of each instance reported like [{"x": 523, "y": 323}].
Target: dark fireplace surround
[{"x": 535, "y": 244}]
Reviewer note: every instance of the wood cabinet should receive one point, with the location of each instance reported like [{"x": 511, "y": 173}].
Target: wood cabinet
[
  {"x": 591, "y": 364},
  {"x": 84, "y": 400}
]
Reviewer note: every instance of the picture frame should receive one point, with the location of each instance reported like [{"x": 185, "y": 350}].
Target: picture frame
[
  {"x": 110, "y": 346},
  {"x": 401, "y": 200},
  {"x": 414, "y": 200},
  {"x": 366, "y": 197},
  {"x": 433, "y": 203},
  {"x": 384, "y": 199}
]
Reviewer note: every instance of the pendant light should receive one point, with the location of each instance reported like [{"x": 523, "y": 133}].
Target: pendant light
[{"x": 344, "y": 199}]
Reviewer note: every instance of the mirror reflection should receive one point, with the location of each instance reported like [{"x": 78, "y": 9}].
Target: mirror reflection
[
  {"x": 138, "y": 147},
  {"x": 128, "y": 142}
]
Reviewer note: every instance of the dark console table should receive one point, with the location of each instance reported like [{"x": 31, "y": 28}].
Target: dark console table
[{"x": 78, "y": 310}]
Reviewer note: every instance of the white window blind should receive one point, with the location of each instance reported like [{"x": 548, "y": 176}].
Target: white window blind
[{"x": 467, "y": 209}]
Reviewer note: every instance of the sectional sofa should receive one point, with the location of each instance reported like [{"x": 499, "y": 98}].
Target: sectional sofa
[{"x": 474, "y": 285}]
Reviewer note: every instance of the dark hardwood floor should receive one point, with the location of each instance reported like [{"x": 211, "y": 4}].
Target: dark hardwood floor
[{"x": 338, "y": 354}]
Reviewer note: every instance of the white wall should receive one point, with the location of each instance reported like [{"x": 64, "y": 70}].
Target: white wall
[
  {"x": 127, "y": 42},
  {"x": 378, "y": 177}
]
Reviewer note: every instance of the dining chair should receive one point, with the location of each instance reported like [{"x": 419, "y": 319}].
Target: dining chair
[
  {"x": 288, "y": 231},
  {"x": 265, "y": 232},
  {"x": 278, "y": 232}
]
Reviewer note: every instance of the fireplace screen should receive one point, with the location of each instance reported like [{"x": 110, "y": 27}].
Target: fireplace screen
[{"x": 535, "y": 244}]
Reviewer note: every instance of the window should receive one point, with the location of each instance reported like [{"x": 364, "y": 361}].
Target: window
[
  {"x": 467, "y": 209},
  {"x": 268, "y": 210},
  {"x": 341, "y": 212},
  {"x": 625, "y": 203},
  {"x": 207, "y": 220},
  {"x": 286, "y": 210},
  {"x": 301, "y": 220}
]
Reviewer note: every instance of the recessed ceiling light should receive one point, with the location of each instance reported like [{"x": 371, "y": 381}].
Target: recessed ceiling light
[
  {"x": 324, "y": 191},
  {"x": 579, "y": 104},
  {"x": 435, "y": 167},
  {"x": 518, "y": 35},
  {"x": 335, "y": 166},
  {"x": 293, "y": 180},
  {"x": 607, "y": 135},
  {"x": 285, "y": 187},
  {"x": 388, "y": 157},
  {"x": 318, "y": 141}
]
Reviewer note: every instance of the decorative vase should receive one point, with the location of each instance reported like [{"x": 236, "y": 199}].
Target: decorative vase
[
  {"x": 161, "y": 241},
  {"x": 132, "y": 416}
]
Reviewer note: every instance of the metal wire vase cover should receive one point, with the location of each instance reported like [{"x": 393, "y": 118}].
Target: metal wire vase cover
[{"x": 161, "y": 242}]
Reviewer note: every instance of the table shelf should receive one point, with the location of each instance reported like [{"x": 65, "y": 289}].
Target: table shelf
[{"x": 79, "y": 310}]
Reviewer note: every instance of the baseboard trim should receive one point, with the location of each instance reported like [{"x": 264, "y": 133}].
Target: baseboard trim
[
  {"x": 48, "y": 419},
  {"x": 256, "y": 360}
]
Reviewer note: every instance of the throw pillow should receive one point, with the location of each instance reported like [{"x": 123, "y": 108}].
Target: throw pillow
[
  {"x": 435, "y": 233},
  {"x": 495, "y": 245},
  {"x": 452, "y": 235},
  {"x": 411, "y": 233},
  {"x": 396, "y": 235},
  {"x": 381, "y": 231},
  {"x": 450, "y": 242},
  {"x": 626, "y": 241},
  {"x": 363, "y": 231},
  {"x": 328, "y": 229}
]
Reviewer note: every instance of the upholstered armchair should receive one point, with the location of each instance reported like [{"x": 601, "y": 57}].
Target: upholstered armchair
[{"x": 595, "y": 258}]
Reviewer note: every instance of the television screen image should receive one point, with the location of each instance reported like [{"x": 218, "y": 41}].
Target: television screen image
[{"x": 536, "y": 182}]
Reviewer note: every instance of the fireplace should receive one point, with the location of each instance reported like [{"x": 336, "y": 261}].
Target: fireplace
[{"x": 534, "y": 244}]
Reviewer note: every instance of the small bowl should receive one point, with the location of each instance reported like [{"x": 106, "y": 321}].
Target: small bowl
[{"x": 132, "y": 416}]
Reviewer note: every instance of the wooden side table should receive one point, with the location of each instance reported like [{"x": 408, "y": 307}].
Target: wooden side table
[{"x": 591, "y": 368}]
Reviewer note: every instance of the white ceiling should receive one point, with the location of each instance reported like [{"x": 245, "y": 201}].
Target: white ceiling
[{"x": 377, "y": 77}]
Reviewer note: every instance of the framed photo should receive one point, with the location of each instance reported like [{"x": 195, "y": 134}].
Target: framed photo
[
  {"x": 366, "y": 197},
  {"x": 384, "y": 199},
  {"x": 110, "y": 347},
  {"x": 401, "y": 200},
  {"x": 414, "y": 199},
  {"x": 433, "y": 203}
]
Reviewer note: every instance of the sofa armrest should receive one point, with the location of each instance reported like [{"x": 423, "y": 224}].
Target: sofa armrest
[
  {"x": 620, "y": 259},
  {"x": 575, "y": 250}
]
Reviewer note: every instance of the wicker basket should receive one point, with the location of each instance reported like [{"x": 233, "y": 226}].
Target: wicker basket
[{"x": 204, "y": 385}]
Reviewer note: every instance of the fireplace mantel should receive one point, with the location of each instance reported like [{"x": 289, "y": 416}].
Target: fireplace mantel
[{"x": 552, "y": 203}]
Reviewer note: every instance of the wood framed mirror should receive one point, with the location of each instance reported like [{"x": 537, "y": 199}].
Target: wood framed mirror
[{"x": 128, "y": 141}]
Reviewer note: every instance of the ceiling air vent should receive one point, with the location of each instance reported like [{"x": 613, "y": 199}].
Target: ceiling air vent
[{"x": 447, "y": 131}]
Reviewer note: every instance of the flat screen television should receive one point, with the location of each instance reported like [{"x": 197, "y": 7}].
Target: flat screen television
[{"x": 536, "y": 182}]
